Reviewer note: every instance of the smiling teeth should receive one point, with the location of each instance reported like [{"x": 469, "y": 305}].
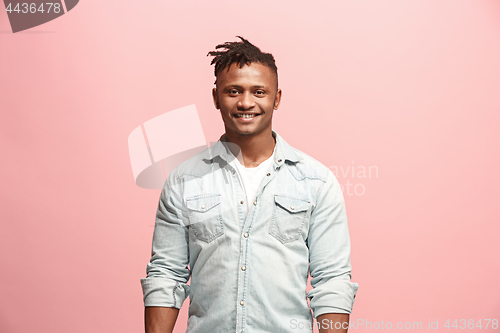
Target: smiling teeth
[{"x": 245, "y": 115}]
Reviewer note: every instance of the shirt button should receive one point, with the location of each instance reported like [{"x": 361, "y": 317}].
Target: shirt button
[
  {"x": 243, "y": 268},
  {"x": 292, "y": 208},
  {"x": 241, "y": 202},
  {"x": 279, "y": 160},
  {"x": 234, "y": 172},
  {"x": 245, "y": 235},
  {"x": 242, "y": 303},
  {"x": 203, "y": 207},
  {"x": 268, "y": 174},
  {"x": 255, "y": 203}
]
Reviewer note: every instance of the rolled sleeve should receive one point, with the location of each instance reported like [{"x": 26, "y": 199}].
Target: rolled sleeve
[
  {"x": 167, "y": 272},
  {"x": 329, "y": 253}
]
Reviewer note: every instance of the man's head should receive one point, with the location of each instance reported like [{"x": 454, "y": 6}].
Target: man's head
[{"x": 246, "y": 91}]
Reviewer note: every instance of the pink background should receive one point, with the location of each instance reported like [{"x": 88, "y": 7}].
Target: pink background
[{"x": 410, "y": 87}]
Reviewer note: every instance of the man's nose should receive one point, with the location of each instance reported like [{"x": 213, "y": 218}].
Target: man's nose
[{"x": 246, "y": 101}]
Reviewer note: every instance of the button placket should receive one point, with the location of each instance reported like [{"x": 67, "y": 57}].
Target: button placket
[
  {"x": 244, "y": 218},
  {"x": 242, "y": 277}
]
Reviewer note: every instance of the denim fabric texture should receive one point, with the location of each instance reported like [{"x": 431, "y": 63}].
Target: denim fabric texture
[{"x": 249, "y": 270}]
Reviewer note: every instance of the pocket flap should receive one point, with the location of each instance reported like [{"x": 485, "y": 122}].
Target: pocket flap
[
  {"x": 293, "y": 205},
  {"x": 203, "y": 203}
]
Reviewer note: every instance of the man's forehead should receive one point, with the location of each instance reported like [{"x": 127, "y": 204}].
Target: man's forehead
[{"x": 255, "y": 70}]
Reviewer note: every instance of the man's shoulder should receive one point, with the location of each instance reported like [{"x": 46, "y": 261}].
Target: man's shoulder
[
  {"x": 196, "y": 165},
  {"x": 308, "y": 166}
]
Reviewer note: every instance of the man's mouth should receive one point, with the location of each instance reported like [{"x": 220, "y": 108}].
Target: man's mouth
[{"x": 246, "y": 115}]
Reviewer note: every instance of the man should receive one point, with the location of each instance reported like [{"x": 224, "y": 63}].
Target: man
[{"x": 251, "y": 216}]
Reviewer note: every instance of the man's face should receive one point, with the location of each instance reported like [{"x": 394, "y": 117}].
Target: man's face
[{"x": 246, "y": 98}]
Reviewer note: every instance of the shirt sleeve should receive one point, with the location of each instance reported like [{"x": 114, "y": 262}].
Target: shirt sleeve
[
  {"x": 167, "y": 272},
  {"x": 329, "y": 253}
]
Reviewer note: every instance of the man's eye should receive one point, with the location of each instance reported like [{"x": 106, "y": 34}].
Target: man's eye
[
  {"x": 233, "y": 91},
  {"x": 259, "y": 92}
]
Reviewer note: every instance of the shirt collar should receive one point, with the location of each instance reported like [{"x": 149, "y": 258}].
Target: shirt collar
[{"x": 283, "y": 151}]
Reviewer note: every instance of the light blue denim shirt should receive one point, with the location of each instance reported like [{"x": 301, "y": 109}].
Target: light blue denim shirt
[{"x": 249, "y": 271}]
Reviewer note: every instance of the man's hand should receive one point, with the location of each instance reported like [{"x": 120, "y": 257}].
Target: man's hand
[
  {"x": 160, "y": 319},
  {"x": 333, "y": 322}
]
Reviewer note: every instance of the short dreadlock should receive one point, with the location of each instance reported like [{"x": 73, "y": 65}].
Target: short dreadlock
[{"x": 240, "y": 53}]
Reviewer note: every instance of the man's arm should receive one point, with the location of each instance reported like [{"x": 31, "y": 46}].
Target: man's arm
[
  {"x": 159, "y": 319},
  {"x": 333, "y": 322},
  {"x": 165, "y": 288},
  {"x": 329, "y": 254}
]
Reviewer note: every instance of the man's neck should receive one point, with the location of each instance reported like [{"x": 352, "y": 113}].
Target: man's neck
[{"x": 255, "y": 149}]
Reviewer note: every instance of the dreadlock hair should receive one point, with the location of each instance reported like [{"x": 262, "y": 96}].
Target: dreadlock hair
[{"x": 240, "y": 53}]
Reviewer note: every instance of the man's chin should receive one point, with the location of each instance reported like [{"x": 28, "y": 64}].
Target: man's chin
[
  {"x": 246, "y": 130},
  {"x": 245, "y": 133}
]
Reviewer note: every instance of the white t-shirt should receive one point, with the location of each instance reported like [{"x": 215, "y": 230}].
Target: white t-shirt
[{"x": 252, "y": 177}]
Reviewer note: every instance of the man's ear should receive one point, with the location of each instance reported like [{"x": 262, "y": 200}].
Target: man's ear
[
  {"x": 277, "y": 100},
  {"x": 215, "y": 98}
]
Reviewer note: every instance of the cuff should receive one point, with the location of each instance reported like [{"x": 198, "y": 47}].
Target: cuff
[
  {"x": 164, "y": 292},
  {"x": 333, "y": 296}
]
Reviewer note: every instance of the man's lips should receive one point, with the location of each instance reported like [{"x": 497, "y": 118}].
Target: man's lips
[{"x": 246, "y": 115}]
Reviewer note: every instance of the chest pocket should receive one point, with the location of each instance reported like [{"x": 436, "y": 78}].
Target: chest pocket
[
  {"x": 204, "y": 212},
  {"x": 288, "y": 218}
]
